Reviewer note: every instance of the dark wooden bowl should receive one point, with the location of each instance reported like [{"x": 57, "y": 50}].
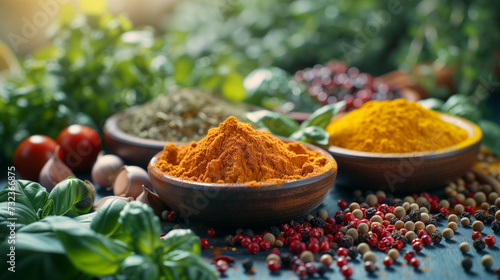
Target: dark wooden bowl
[
  {"x": 133, "y": 150},
  {"x": 240, "y": 204},
  {"x": 408, "y": 172}
]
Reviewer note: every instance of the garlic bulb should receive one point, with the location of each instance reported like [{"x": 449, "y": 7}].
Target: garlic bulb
[
  {"x": 153, "y": 200},
  {"x": 106, "y": 169},
  {"x": 54, "y": 171},
  {"x": 111, "y": 197},
  {"x": 130, "y": 180}
]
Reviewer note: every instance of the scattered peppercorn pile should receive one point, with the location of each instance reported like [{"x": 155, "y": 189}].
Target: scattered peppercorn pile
[{"x": 376, "y": 222}]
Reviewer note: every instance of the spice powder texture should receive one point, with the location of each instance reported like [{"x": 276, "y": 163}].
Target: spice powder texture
[
  {"x": 234, "y": 152},
  {"x": 397, "y": 126}
]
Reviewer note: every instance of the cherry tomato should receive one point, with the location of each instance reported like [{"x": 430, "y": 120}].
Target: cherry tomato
[
  {"x": 32, "y": 154},
  {"x": 80, "y": 146}
]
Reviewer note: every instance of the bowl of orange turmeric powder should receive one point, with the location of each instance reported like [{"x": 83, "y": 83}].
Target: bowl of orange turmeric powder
[
  {"x": 239, "y": 176},
  {"x": 400, "y": 146}
]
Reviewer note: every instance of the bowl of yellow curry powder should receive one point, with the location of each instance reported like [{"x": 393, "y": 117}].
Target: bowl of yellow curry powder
[
  {"x": 240, "y": 176},
  {"x": 400, "y": 146}
]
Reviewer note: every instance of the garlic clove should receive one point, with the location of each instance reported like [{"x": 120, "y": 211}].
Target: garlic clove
[
  {"x": 104, "y": 199},
  {"x": 105, "y": 170},
  {"x": 130, "y": 180},
  {"x": 153, "y": 200},
  {"x": 54, "y": 171}
]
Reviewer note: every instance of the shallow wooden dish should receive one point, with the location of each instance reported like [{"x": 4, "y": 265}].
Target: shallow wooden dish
[
  {"x": 239, "y": 204},
  {"x": 408, "y": 172},
  {"x": 133, "y": 150}
]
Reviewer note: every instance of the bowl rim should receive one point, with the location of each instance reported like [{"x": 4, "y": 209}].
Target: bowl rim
[
  {"x": 264, "y": 186},
  {"x": 475, "y": 136}
]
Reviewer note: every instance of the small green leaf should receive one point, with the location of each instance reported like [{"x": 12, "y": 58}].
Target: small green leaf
[
  {"x": 182, "y": 239},
  {"x": 67, "y": 196},
  {"x": 277, "y": 123},
  {"x": 138, "y": 267},
  {"x": 311, "y": 134},
  {"x": 183, "y": 265},
  {"x": 432, "y": 103},
  {"x": 491, "y": 135},
  {"x": 323, "y": 115},
  {"x": 232, "y": 87}
]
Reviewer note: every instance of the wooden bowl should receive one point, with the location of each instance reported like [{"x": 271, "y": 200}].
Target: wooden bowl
[
  {"x": 240, "y": 204},
  {"x": 133, "y": 150},
  {"x": 408, "y": 172}
]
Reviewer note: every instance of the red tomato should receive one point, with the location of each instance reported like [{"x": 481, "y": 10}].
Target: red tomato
[
  {"x": 80, "y": 146},
  {"x": 32, "y": 154}
]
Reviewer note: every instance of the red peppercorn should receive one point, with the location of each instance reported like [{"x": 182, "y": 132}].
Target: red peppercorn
[
  {"x": 338, "y": 237},
  {"x": 435, "y": 206},
  {"x": 390, "y": 228},
  {"x": 300, "y": 247},
  {"x": 415, "y": 263},
  {"x": 415, "y": 240},
  {"x": 330, "y": 220},
  {"x": 293, "y": 245},
  {"x": 275, "y": 251},
  {"x": 324, "y": 245},
  {"x": 409, "y": 255},
  {"x": 475, "y": 235},
  {"x": 264, "y": 245},
  {"x": 346, "y": 271},
  {"x": 417, "y": 246},
  {"x": 339, "y": 213},
  {"x": 342, "y": 204},
  {"x": 317, "y": 232},
  {"x": 204, "y": 243},
  {"x": 490, "y": 240},
  {"x": 427, "y": 239},
  {"x": 398, "y": 245},
  {"x": 377, "y": 229},
  {"x": 341, "y": 261},
  {"x": 245, "y": 241},
  {"x": 415, "y": 196},
  {"x": 373, "y": 240},
  {"x": 211, "y": 232},
  {"x": 381, "y": 214},
  {"x": 469, "y": 209},
  {"x": 348, "y": 217},
  {"x": 388, "y": 261},
  {"x": 285, "y": 227},
  {"x": 306, "y": 227},
  {"x": 421, "y": 232},
  {"x": 330, "y": 237},
  {"x": 403, "y": 231},
  {"x": 238, "y": 238},
  {"x": 370, "y": 267},
  {"x": 444, "y": 211},
  {"x": 290, "y": 232},
  {"x": 365, "y": 221},
  {"x": 253, "y": 248},
  {"x": 301, "y": 271},
  {"x": 342, "y": 252},
  {"x": 172, "y": 216},
  {"x": 297, "y": 236},
  {"x": 314, "y": 240},
  {"x": 383, "y": 245},
  {"x": 313, "y": 247},
  {"x": 257, "y": 238},
  {"x": 222, "y": 266},
  {"x": 385, "y": 234},
  {"x": 311, "y": 269},
  {"x": 273, "y": 265}
]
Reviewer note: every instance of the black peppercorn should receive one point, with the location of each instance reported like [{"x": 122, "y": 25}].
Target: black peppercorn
[
  {"x": 436, "y": 237},
  {"x": 229, "y": 241},
  {"x": 363, "y": 238},
  {"x": 426, "y": 204},
  {"x": 370, "y": 212},
  {"x": 493, "y": 209},
  {"x": 479, "y": 244},
  {"x": 489, "y": 219},
  {"x": 331, "y": 252},
  {"x": 248, "y": 264},
  {"x": 451, "y": 200},
  {"x": 317, "y": 222},
  {"x": 286, "y": 260},
  {"x": 438, "y": 217},
  {"x": 306, "y": 236},
  {"x": 406, "y": 218},
  {"x": 364, "y": 205},
  {"x": 480, "y": 215},
  {"x": 339, "y": 219},
  {"x": 399, "y": 204},
  {"x": 396, "y": 234},
  {"x": 393, "y": 220},
  {"x": 467, "y": 264},
  {"x": 387, "y": 201},
  {"x": 346, "y": 241},
  {"x": 352, "y": 253},
  {"x": 431, "y": 221},
  {"x": 322, "y": 270},
  {"x": 359, "y": 199},
  {"x": 274, "y": 230},
  {"x": 334, "y": 246},
  {"x": 495, "y": 226},
  {"x": 465, "y": 214},
  {"x": 248, "y": 232},
  {"x": 415, "y": 215}
]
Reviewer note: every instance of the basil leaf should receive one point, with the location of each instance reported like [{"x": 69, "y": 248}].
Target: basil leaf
[
  {"x": 491, "y": 135},
  {"x": 184, "y": 265},
  {"x": 277, "y": 123},
  {"x": 323, "y": 115},
  {"x": 432, "y": 103},
  {"x": 140, "y": 227},
  {"x": 23, "y": 214},
  {"x": 138, "y": 267},
  {"x": 460, "y": 105},
  {"x": 182, "y": 239},
  {"x": 312, "y": 134},
  {"x": 67, "y": 195},
  {"x": 106, "y": 218}
]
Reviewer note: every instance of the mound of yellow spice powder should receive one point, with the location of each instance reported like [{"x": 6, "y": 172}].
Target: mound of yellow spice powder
[
  {"x": 397, "y": 126},
  {"x": 234, "y": 152}
]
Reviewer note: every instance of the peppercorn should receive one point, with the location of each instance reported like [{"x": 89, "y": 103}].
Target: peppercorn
[
  {"x": 436, "y": 237},
  {"x": 479, "y": 244},
  {"x": 464, "y": 247},
  {"x": 465, "y": 222},
  {"x": 467, "y": 264},
  {"x": 487, "y": 261},
  {"x": 431, "y": 221},
  {"x": 393, "y": 220},
  {"x": 489, "y": 219},
  {"x": 453, "y": 226},
  {"x": 465, "y": 215},
  {"x": 339, "y": 219},
  {"x": 286, "y": 260},
  {"x": 317, "y": 222},
  {"x": 331, "y": 251},
  {"x": 274, "y": 230},
  {"x": 393, "y": 254},
  {"x": 370, "y": 212},
  {"x": 322, "y": 270},
  {"x": 370, "y": 267},
  {"x": 363, "y": 238},
  {"x": 352, "y": 253},
  {"x": 495, "y": 226},
  {"x": 248, "y": 265},
  {"x": 229, "y": 241},
  {"x": 448, "y": 233},
  {"x": 369, "y": 256},
  {"x": 493, "y": 209},
  {"x": 453, "y": 218},
  {"x": 346, "y": 242},
  {"x": 415, "y": 215},
  {"x": 307, "y": 256},
  {"x": 406, "y": 218},
  {"x": 248, "y": 232},
  {"x": 363, "y": 248},
  {"x": 438, "y": 217},
  {"x": 480, "y": 215},
  {"x": 478, "y": 226}
]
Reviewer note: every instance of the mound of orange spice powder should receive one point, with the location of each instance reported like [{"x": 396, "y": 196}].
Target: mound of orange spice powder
[{"x": 234, "y": 152}]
